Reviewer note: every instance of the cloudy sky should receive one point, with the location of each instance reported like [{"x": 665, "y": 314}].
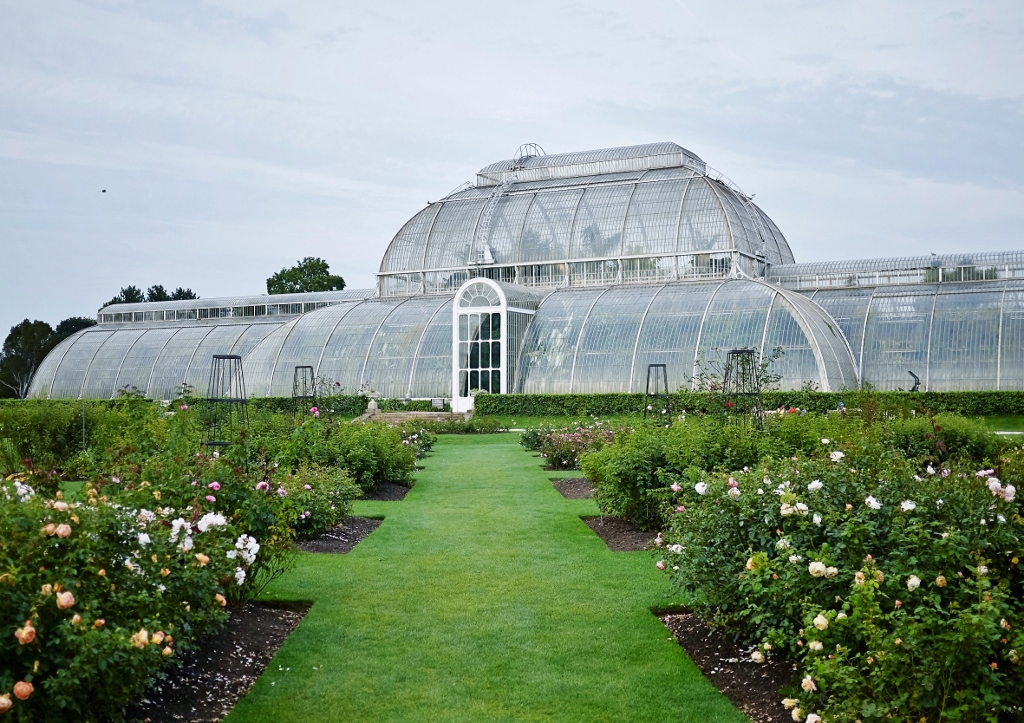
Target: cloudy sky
[{"x": 234, "y": 137}]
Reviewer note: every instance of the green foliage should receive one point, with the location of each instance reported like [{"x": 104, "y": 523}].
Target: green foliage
[
  {"x": 473, "y": 425},
  {"x": 310, "y": 274},
  {"x": 128, "y": 295},
  {"x": 23, "y": 352},
  {"x": 896, "y": 586},
  {"x": 372, "y": 452},
  {"x": 319, "y": 498},
  {"x": 158, "y": 548},
  {"x": 69, "y": 326},
  {"x": 968, "y": 404},
  {"x": 629, "y": 473}
]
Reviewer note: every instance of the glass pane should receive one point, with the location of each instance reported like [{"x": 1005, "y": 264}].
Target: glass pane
[
  {"x": 495, "y": 326},
  {"x": 474, "y": 380},
  {"x": 485, "y": 381},
  {"x": 496, "y": 353},
  {"x": 464, "y": 328},
  {"x": 463, "y": 384},
  {"x": 495, "y": 382},
  {"x": 485, "y": 355},
  {"x": 474, "y": 327},
  {"x": 463, "y": 355},
  {"x": 485, "y": 327},
  {"x": 474, "y": 355}
]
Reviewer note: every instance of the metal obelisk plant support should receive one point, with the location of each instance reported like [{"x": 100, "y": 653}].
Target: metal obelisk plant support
[
  {"x": 657, "y": 400},
  {"x": 741, "y": 385},
  {"x": 227, "y": 409},
  {"x": 303, "y": 388}
]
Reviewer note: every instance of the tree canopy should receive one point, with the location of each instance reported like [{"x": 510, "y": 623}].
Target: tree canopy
[
  {"x": 310, "y": 274},
  {"x": 25, "y": 348},
  {"x": 134, "y": 295}
]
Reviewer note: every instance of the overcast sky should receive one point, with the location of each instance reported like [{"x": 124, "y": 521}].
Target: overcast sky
[{"x": 233, "y": 138}]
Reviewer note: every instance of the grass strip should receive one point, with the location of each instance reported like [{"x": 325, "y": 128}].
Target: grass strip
[{"x": 482, "y": 596}]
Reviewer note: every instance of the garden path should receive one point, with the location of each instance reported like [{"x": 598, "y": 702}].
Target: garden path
[{"x": 482, "y": 597}]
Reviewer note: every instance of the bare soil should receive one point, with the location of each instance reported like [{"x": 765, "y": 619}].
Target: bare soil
[
  {"x": 386, "y": 492},
  {"x": 214, "y": 677},
  {"x": 343, "y": 537},
  {"x": 575, "y": 488},
  {"x": 620, "y": 535},
  {"x": 725, "y": 661}
]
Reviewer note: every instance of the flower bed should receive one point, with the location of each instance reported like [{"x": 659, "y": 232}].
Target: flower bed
[{"x": 881, "y": 557}]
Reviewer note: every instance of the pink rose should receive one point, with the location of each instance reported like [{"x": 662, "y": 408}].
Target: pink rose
[
  {"x": 211, "y": 498},
  {"x": 675, "y": 487},
  {"x": 660, "y": 564},
  {"x": 307, "y": 487},
  {"x": 215, "y": 486},
  {"x": 262, "y": 486}
]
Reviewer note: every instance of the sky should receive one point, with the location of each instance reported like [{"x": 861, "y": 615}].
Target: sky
[{"x": 233, "y": 138}]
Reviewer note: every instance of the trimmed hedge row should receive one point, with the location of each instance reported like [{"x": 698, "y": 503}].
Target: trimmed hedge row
[{"x": 552, "y": 405}]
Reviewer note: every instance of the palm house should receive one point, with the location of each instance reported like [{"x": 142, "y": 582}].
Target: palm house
[{"x": 572, "y": 273}]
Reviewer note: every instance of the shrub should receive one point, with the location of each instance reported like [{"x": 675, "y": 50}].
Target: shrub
[
  {"x": 896, "y": 586},
  {"x": 564, "y": 448},
  {"x": 318, "y": 499},
  {"x": 112, "y": 586}
]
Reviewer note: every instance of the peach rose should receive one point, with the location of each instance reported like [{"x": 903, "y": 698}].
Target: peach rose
[
  {"x": 61, "y": 506},
  {"x": 63, "y": 531},
  {"x": 140, "y": 639},
  {"x": 76, "y": 619},
  {"x": 102, "y": 573},
  {"x": 157, "y": 637},
  {"x": 65, "y": 600},
  {"x": 26, "y": 634},
  {"x": 49, "y": 529},
  {"x": 203, "y": 559},
  {"x": 167, "y": 651},
  {"x": 23, "y": 690},
  {"x": 47, "y": 589},
  {"x": 99, "y": 623},
  {"x": 5, "y": 702},
  {"x": 220, "y": 599},
  {"x": 165, "y": 572}
]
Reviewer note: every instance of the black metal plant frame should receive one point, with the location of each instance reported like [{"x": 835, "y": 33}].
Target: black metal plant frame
[
  {"x": 303, "y": 388},
  {"x": 657, "y": 398},
  {"x": 741, "y": 384},
  {"x": 227, "y": 408}
]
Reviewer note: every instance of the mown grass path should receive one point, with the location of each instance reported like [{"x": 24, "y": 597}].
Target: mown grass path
[{"x": 482, "y": 597}]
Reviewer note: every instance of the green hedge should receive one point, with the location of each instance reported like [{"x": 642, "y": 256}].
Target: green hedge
[{"x": 559, "y": 405}]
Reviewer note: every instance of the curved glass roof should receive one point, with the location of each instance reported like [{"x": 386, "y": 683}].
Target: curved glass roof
[
  {"x": 601, "y": 340},
  {"x": 624, "y": 205},
  {"x": 99, "y": 361},
  {"x": 954, "y": 336}
]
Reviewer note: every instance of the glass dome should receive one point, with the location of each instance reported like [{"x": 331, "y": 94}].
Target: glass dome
[{"x": 632, "y": 209}]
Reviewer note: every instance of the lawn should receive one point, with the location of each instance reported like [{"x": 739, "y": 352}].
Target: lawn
[{"x": 482, "y": 596}]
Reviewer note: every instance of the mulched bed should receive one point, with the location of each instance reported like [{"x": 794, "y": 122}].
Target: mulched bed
[
  {"x": 752, "y": 687},
  {"x": 574, "y": 488},
  {"x": 343, "y": 537},
  {"x": 386, "y": 492},
  {"x": 619, "y": 534},
  {"x": 215, "y": 676}
]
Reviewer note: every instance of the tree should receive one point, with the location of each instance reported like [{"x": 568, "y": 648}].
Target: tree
[
  {"x": 157, "y": 293},
  {"x": 310, "y": 274},
  {"x": 23, "y": 351},
  {"x": 181, "y": 294},
  {"x": 128, "y": 295},
  {"x": 68, "y": 327}
]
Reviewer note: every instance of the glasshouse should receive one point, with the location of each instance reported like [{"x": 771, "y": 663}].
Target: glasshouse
[{"x": 574, "y": 273}]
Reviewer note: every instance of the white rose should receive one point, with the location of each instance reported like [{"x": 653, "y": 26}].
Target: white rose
[
  {"x": 1008, "y": 493},
  {"x": 757, "y": 656},
  {"x": 817, "y": 569},
  {"x": 913, "y": 582},
  {"x": 701, "y": 487},
  {"x": 790, "y": 703},
  {"x": 808, "y": 684},
  {"x": 675, "y": 548},
  {"x": 801, "y": 508},
  {"x": 836, "y": 456},
  {"x": 733, "y": 492},
  {"x": 813, "y": 718},
  {"x": 831, "y": 571},
  {"x": 825, "y": 440},
  {"x": 782, "y": 544},
  {"x": 821, "y": 622},
  {"x": 815, "y": 485},
  {"x": 871, "y": 502},
  {"x": 816, "y": 519},
  {"x": 794, "y": 559},
  {"x": 787, "y": 509},
  {"x": 908, "y": 505},
  {"x": 815, "y": 645}
]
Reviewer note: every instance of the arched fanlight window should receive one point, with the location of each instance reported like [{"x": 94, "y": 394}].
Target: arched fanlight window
[{"x": 479, "y": 294}]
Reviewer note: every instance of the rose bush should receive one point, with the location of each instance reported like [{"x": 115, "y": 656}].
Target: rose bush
[{"x": 893, "y": 582}]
